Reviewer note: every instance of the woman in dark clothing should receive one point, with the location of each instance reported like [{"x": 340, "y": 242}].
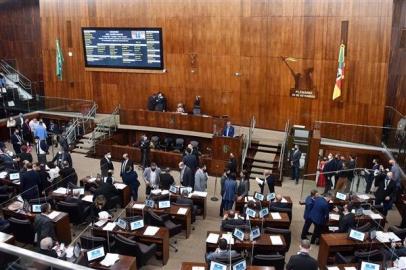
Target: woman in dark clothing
[{"x": 244, "y": 185}]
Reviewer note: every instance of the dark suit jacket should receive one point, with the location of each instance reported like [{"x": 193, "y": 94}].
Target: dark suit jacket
[
  {"x": 243, "y": 188},
  {"x": 188, "y": 179},
  {"x": 131, "y": 179},
  {"x": 320, "y": 211},
  {"x": 107, "y": 190},
  {"x": 60, "y": 158},
  {"x": 381, "y": 193},
  {"x": 43, "y": 227},
  {"x": 302, "y": 261},
  {"x": 50, "y": 253},
  {"x": 230, "y": 131},
  {"x": 166, "y": 180},
  {"x": 30, "y": 185},
  {"x": 346, "y": 222},
  {"x": 230, "y": 223},
  {"x": 308, "y": 207},
  {"x": 15, "y": 141},
  {"x": 69, "y": 176},
  {"x": 296, "y": 158},
  {"x": 232, "y": 165},
  {"x": 128, "y": 166},
  {"x": 25, "y": 156},
  {"x": 105, "y": 166},
  {"x": 190, "y": 161}
]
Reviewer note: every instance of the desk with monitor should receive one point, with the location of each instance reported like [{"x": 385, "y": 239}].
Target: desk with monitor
[
  {"x": 138, "y": 208},
  {"x": 192, "y": 265},
  {"x": 239, "y": 203},
  {"x": 198, "y": 199},
  {"x": 270, "y": 220}
]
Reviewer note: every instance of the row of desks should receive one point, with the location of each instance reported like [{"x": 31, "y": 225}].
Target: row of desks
[{"x": 191, "y": 265}]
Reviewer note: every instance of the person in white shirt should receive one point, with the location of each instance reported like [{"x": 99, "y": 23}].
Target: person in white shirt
[{"x": 151, "y": 177}]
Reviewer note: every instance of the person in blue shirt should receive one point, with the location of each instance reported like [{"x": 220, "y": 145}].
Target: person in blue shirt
[
  {"x": 230, "y": 191},
  {"x": 2, "y": 81},
  {"x": 308, "y": 207},
  {"x": 40, "y": 131},
  {"x": 319, "y": 215},
  {"x": 228, "y": 130}
]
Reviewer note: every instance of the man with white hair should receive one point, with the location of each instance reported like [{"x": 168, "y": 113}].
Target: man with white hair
[
  {"x": 46, "y": 247},
  {"x": 386, "y": 191},
  {"x": 302, "y": 260}
]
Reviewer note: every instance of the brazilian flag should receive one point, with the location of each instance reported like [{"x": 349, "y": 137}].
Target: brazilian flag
[{"x": 59, "y": 60}]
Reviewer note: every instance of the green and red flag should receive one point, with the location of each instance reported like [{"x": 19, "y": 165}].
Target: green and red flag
[{"x": 340, "y": 73}]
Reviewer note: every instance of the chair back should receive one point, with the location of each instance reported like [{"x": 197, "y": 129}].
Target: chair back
[
  {"x": 126, "y": 246},
  {"x": 42, "y": 200},
  {"x": 153, "y": 219},
  {"x": 225, "y": 259},
  {"x": 277, "y": 261},
  {"x": 74, "y": 211},
  {"x": 89, "y": 242},
  {"x": 23, "y": 230},
  {"x": 364, "y": 228},
  {"x": 286, "y": 233},
  {"x": 374, "y": 255}
]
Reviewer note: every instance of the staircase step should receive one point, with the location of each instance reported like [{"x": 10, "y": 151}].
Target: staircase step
[
  {"x": 97, "y": 135},
  {"x": 80, "y": 150},
  {"x": 261, "y": 160},
  {"x": 264, "y": 167},
  {"x": 84, "y": 145},
  {"x": 266, "y": 145},
  {"x": 268, "y": 151}
]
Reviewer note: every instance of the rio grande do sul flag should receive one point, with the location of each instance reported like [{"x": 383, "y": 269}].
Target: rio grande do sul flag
[
  {"x": 59, "y": 60},
  {"x": 340, "y": 73}
]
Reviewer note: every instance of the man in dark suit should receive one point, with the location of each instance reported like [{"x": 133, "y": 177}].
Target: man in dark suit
[
  {"x": 30, "y": 183},
  {"x": 319, "y": 216},
  {"x": 268, "y": 180},
  {"x": 41, "y": 150},
  {"x": 16, "y": 141},
  {"x": 190, "y": 160},
  {"x": 186, "y": 176},
  {"x": 386, "y": 192},
  {"x": 228, "y": 130},
  {"x": 130, "y": 178},
  {"x": 68, "y": 175},
  {"x": 126, "y": 165},
  {"x": 106, "y": 164},
  {"x": 144, "y": 146},
  {"x": 308, "y": 207},
  {"x": 302, "y": 260},
  {"x": 232, "y": 164},
  {"x": 370, "y": 177},
  {"x": 328, "y": 172},
  {"x": 295, "y": 163},
  {"x": 347, "y": 219},
  {"x": 20, "y": 120},
  {"x": 108, "y": 190},
  {"x": 61, "y": 157},
  {"x": 166, "y": 179},
  {"x": 229, "y": 221},
  {"x": 43, "y": 225},
  {"x": 46, "y": 247}
]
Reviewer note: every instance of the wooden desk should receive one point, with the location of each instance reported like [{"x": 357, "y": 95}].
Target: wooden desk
[
  {"x": 201, "y": 202},
  {"x": 332, "y": 243},
  {"x": 125, "y": 193},
  {"x": 269, "y": 221},
  {"x": 61, "y": 223},
  {"x": 262, "y": 245},
  {"x": 125, "y": 262},
  {"x": 190, "y": 265},
  {"x": 355, "y": 200},
  {"x": 172, "y": 120},
  {"x": 161, "y": 238},
  {"x": 359, "y": 220},
  {"x": 6, "y": 258},
  {"x": 185, "y": 219},
  {"x": 239, "y": 204}
]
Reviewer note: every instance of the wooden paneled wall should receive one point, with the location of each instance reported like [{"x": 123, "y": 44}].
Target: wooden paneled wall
[
  {"x": 229, "y": 52},
  {"x": 20, "y": 38},
  {"x": 397, "y": 67}
]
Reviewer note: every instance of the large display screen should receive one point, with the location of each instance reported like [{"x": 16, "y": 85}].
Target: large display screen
[{"x": 131, "y": 48}]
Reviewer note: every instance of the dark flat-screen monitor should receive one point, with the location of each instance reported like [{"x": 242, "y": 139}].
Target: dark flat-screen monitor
[{"x": 123, "y": 48}]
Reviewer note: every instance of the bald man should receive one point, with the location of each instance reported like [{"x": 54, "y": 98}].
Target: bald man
[{"x": 302, "y": 260}]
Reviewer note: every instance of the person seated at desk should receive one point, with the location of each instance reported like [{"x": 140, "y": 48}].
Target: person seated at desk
[
  {"x": 180, "y": 108},
  {"x": 302, "y": 260},
  {"x": 61, "y": 157},
  {"x": 166, "y": 179},
  {"x": 6, "y": 157},
  {"x": 106, "y": 164},
  {"x": 109, "y": 191},
  {"x": 347, "y": 219},
  {"x": 74, "y": 198},
  {"x": 68, "y": 175},
  {"x": 151, "y": 177},
  {"x": 278, "y": 202},
  {"x": 186, "y": 175},
  {"x": 99, "y": 205},
  {"x": 184, "y": 199},
  {"x": 43, "y": 225},
  {"x": 228, "y": 130},
  {"x": 221, "y": 252},
  {"x": 231, "y": 220},
  {"x": 201, "y": 177},
  {"x": 30, "y": 183},
  {"x": 251, "y": 204},
  {"x": 396, "y": 250},
  {"x": 47, "y": 247}
]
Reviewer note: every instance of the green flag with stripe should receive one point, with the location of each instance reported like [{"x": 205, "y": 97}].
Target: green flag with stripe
[{"x": 59, "y": 60}]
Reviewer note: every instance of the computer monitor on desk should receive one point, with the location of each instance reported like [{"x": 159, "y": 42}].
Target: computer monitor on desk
[
  {"x": 95, "y": 254},
  {"x": 36, "y": 208},
  {"x": 122, "y": 223},
  {"x": 369, "y": 266},
  {"x": 164, "y": 204},
  {"x": 217, "y": 266},
  {"x": 241, "y": 265},
  {"x": 356, "y": 235},
  {"x": 135, "y": 225}
]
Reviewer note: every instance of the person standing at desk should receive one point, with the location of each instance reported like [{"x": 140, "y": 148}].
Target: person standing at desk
[
  {"x": 268, "y": 180},
  {"x": 187, "y": 178},
  {"x": 106, "y": 164},
  {"x": 130, "y": 178},
  {"x": 302, "y": 260},
  {"x": 228, "y": 130},
  {"x": 319, "y": 216},
  {"x": 151, "y": 177},
  {"x": 243, "y": 186},
  {"x": 30, "y": 183},
  {"x": 40, "y": 131},
  {"x": 201, "y": 179},
  {"x": 386, "y": 191},
  {"x": 230, "y": 191},
  {"x": 232, "y": 164},
  {"x": 166, "y": 179},
  {"x": 43, "y": 225},
  {"x": 308, "y": 207},
  {"x": 160, "y": 102},
  {"x": 41, "y": 149},
  {"x": 61, "y": 157},
  {"x": 126, "y": 165},
  {"x": 190, "y": 160},
  {"x": 295, "y": 163},
  {"x": 145, "y": 148},
  {"x": 328, "y": 170},
  {"x": 222, "y": 182}
]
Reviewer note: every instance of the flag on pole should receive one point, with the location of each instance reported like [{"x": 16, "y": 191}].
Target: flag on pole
[
  {"x": 340, "y": 73},
  {"x": 59, "y": 60}
]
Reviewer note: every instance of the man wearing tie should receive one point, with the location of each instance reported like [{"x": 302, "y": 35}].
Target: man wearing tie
[
  {"x": 17, "y": 141},
  {"x": 106, "y": 164},
  {"x": 228, "y": 130},
  {"x": 127, "y": 165},
  {"x": 295, "y": 163},
  {"x": 386, "y": 191},
  {"x": 62, "y": 156}
]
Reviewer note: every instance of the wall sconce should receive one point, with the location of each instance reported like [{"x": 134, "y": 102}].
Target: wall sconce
[{"x": 237, "y": 74}]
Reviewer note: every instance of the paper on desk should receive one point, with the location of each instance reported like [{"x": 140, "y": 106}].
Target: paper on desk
[
  {"x": 198, "y": 268},
  {"x": 386, "y": 237},
  {"x": 229, "y": 238},
  {"x": 199, "y": 194},
  {"x": 69, "y": 252},
  {"x": 332, "y": 268},
  {"x": 88, "y": 198},
  {"x": 100, "y": 223},
  {"x": 248, "y": 198},
  {"x": 333, "y": 228},
  {"x": 375, "y": 216},
  {"x": 367, "y": 212},
  {"x": 212, "y": 238},
  {"x": 276, "y": 240},
  {"x": 3, "y": 174},
  {"x": 363, "y": 196},
  {"x": 53, "y": 214},
  {"x": 139, "y": 206},
  {"x": 350, "y": 268},
  {"x": 60, "y": 190},
  {"x": 259, "y": 181},
  {"x": 284, "y": 200},
  {"x": 120, "y": 186},
  {"x": 182, "y": 211},
  {"x": 276, "y": 215},
  {"x": 109, "y": 226},
  {"x": 110, "y": 259},
  {"x": 151, "y": 230},
  {"x": 334, "y": 217},
  {"x": 91, "y": 180}
]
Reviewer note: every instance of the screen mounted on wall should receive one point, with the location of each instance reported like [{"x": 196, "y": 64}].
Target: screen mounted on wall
[{"x": 128, "y": 48}]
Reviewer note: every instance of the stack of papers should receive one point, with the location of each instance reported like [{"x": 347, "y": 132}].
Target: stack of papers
[
  {"x": 366, "y": 212},
  {"x": 182, "y": 211},
  {"x": 375, "y": 216},
  {"x": 109, "y": 226},
  {"x": 198, "y": 268},
  {"x": 284, "y": 200},
  {"x": 350, "y": 268},
  {"x": 276, "y": 215},
  {"x": 199, "y": 194},
  {"x": 3, "y": 174},
  {"x": 110, "y": 259},
  {"x": 363, "y": 196},
  {"x": 276, "y": 240},
  {"x": 213, "y": 238},
  {"x": 120, "y": 186},
  {"x": 332, "y": 268},
  {"x": 386, "y": 237},
  {"x": 138, "y": 206},
  {"x": 248, "y": 198},
  {"x": 91, "y": 180},
  {"x": 53, "y": 214},
  {"x": 151, "y": 230},
  {"x": 88, "y": 198},
  {"x": 100, "y": 223},
  {"x": 334, "y": 217},
  {"x": 60, "y": 190},
  {"x": 229, "y": 238},
  {"x": 333, "y": 228}
]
